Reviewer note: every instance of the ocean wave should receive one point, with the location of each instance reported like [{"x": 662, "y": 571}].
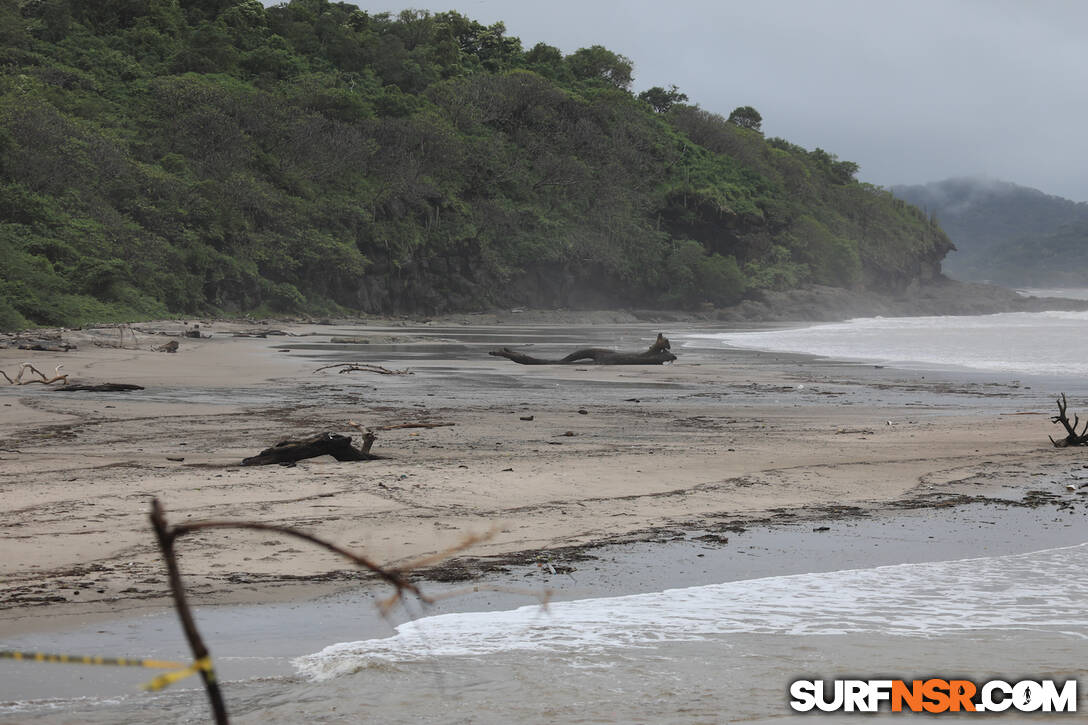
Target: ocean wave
[
  {"x": 1029, "y": 343},
  {"x": 1040, "y": 591}
]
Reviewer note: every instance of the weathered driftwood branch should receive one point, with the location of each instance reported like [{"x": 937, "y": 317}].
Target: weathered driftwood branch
[
  {"x": 322, "y": 444},
  {"x": 364, "y": 368},
  {"x": 97, "y": 387},
  {"x": 42, "y": 377},
  {"x": 657, "y": 354},
  {"x": 1072, "y": 438}
]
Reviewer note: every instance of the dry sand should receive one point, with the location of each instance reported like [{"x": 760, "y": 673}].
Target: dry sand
[{"x": 610, "y": 454}]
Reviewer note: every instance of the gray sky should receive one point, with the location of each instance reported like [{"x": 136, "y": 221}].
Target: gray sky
[{"x": 913, "y": 91}]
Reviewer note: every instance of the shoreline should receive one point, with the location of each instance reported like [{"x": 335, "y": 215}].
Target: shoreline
[
  {"x": 261, "y": 640},
  {"x": 717, "y": 440},
  {"x": 810, "y": 303}
]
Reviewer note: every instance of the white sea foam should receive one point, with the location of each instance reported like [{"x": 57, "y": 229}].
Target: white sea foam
[
  {"x": 1042, "y": 591},
  {"x": 1030, "y": 343}
]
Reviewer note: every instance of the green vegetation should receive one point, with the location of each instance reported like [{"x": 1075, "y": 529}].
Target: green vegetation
[
  {"x": 163, "y": 157},
  {"x": 1008, "y": 234}
]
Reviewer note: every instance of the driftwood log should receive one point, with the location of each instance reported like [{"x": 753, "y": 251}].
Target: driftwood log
[
  {"x": 657, "y": 354},
  {"x": 1072, "y": 438},
  {"x": 363, "y": 367},
  {"x": 42, "y": 378},
  {"x": 98, "y": 388},
  {"x": 323, "y": 444}
]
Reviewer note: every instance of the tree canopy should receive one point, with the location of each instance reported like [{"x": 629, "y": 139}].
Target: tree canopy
[
  {"x": 165, "y": 157},
  {"x": 746, "y": 117}
]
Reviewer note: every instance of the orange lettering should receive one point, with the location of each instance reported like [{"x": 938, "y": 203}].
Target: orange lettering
[
  {"x": 937, "y": 692},
  {"x": 911, "y": 695},
  {"x": 961, "y": 692}
]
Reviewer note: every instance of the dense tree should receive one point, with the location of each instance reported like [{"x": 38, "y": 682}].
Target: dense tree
[
  {"x": 746, "y": 117},
  {"x": 661, "y": 99},
  {"x": 207, "y": 156},
  {"x": 597, "y": 63}
]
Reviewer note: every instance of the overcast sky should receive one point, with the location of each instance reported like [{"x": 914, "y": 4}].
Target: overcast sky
[{"x": 913, "y": 91}]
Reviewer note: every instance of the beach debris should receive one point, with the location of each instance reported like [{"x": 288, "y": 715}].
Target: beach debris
[
  {"x": 365, "y": 368},
  {"x": 265, "y": 333},
  {"x": 1072, "y": 438},
  {"x": 121, "y": 330},
  {"x": 171, "y": 346},
  {"x": 97, "y": 388},
  {"x": 656, "y": 354},
  {"x": 42, "y": 378},
  {"x": 46, "y": 347},
  {"x": 526, "y": 417},
  {"x": 336, "y": 445},
  {"x": 583, "y": 411}
]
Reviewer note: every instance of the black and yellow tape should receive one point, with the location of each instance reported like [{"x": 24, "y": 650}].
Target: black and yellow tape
[
  {"x": 204, "y": 664},
  {"x": 87, "y": 660}
]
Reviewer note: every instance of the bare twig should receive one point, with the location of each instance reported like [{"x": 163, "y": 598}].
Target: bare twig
[
  {"x": 396, "y": 576},
  {"x": 393, "y": 576},
  {"x": 166, "y": 536},
  {"x": 365, "y": 368}
]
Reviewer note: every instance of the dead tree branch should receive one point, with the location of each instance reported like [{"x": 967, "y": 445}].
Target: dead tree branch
[
  {"x": 364, "y": 368},
  {"x": 42, "y": 377},
  {"x": 1072, "y": 438},
  {"x": 97, "y": 387},
  {"x": 167, "y": 536},
  {"x": 57, "y": 375},
  {"x": 656, "y": 354}
]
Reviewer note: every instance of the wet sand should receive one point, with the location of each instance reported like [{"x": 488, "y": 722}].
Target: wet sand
[{"x": 629, "y": 457}]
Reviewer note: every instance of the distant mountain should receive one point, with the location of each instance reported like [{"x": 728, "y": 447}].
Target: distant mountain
[{"x": 1005, "y": 233}]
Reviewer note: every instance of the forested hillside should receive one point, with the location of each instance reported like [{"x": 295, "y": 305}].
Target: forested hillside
[
  {"x": 1008, "y": 234},
  {"x": 162, "y": 157}
]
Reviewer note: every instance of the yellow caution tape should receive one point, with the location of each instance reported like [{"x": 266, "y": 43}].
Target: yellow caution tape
[
  {"x": 86, "y": 660},
  {"x": 203, "y": 664}
]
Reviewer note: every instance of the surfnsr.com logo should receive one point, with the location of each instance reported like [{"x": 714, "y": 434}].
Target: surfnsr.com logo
[{"x": 933, "y": 696}]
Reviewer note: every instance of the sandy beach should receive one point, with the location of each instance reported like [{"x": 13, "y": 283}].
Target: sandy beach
[
  {"x": 554, "y": 461},
  {"x": 610, "y": 453}
]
